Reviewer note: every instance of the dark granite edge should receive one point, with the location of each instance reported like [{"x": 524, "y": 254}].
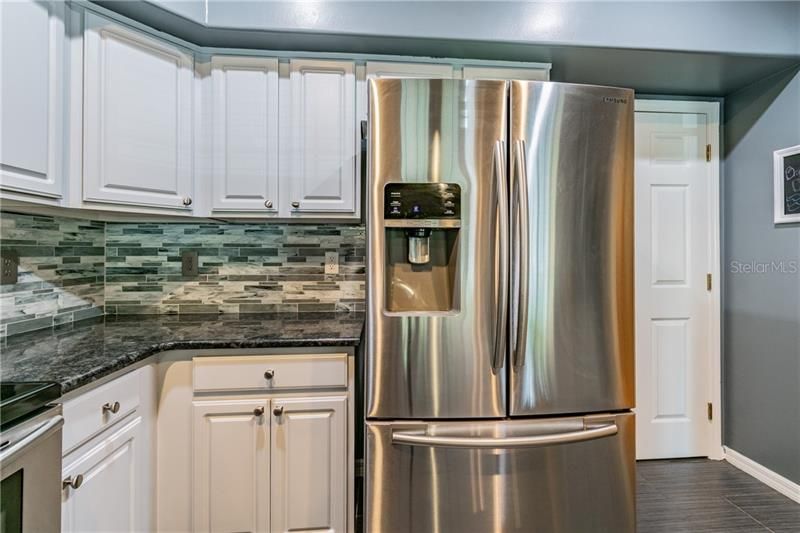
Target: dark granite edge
[{"x": 123, "y": 361}]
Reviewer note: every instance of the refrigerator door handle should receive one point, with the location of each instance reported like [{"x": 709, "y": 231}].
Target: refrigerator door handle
[
  {"x": 521, "y": 255},
  {"x": 418, "y": 437},
  {"x": 498, "y": 356}
]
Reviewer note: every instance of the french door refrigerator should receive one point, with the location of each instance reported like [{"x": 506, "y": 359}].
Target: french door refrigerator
[{"x": 499, "y": 346}]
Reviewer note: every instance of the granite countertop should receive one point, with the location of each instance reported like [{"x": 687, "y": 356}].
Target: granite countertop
[{"x": 88, "y": 350}]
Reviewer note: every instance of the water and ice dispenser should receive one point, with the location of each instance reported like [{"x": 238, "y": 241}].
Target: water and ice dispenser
[{"x": 422, "y": 222}]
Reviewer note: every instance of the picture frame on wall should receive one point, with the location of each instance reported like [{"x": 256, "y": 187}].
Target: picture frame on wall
[{"x": 787, "y": 185}]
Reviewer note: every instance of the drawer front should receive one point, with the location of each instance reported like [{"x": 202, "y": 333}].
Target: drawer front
[
  {"x": 85, "y": 415},
  {"x": 269, "y": 372}
]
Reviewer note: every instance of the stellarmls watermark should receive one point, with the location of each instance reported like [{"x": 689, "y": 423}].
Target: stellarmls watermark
[{"x": 791, "y": 266}]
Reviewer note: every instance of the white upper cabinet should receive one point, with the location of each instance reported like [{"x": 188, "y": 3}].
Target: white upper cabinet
[
  {"x": 505, "y": 73},
  {"x": 245, "y": 134},
  {"x": 319, "y": 161},
  {"x": 309, "y": 464},
  {"x": 385, "y": 69},
  {"x": 32, "y": 104},
  {"x": 137, "y": 118}
]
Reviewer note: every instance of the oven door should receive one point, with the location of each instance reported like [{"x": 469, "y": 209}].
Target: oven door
[
  {"x": 552, "y": 475},
  {"x": 30, "y": 469}
]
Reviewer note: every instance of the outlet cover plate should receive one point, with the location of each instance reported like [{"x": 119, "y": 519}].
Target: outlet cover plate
[
  {"x": 189, "y": 264},
  {"x": 331, "y": 262},
  {"x": 10, "y": 262}
]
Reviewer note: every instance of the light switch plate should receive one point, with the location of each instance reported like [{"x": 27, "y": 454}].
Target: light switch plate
[
  {"x": 10, "y": 262},
  {"x": 189, "y": 264},
  {"x": 331, "y": 262}
]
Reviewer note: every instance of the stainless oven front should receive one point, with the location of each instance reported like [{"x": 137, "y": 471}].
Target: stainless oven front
[{"x": 30, "y": 468}]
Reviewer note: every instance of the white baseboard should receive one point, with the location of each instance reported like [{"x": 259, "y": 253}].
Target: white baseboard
[{"x": 787, "y": 487}]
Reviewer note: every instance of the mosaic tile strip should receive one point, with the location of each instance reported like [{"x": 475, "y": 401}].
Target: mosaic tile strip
[
  {"x": 243, "y": 268},
  {"x": 60, "y": 275}
]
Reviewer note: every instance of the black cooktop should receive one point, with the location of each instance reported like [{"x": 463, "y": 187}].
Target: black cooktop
[{"x": 21, "y": 400}]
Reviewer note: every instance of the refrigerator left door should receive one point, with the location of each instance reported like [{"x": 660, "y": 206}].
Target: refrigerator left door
[{"x": 436, "y": 248}]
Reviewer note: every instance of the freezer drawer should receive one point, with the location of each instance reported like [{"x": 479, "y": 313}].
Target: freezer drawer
[{"x": 535, "y": 475}]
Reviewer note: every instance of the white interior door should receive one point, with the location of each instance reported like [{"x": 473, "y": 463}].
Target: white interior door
[{"x": 674, "y": 254}]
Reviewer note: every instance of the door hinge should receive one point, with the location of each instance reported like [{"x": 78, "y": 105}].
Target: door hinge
[
  {"x": 710, "y": 410},
  {"x": 708, "y": 281},
  {"x": 708, "y": 152}
]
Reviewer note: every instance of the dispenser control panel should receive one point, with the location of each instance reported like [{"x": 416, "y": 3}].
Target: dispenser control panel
[{"x": 420, "y": 201}]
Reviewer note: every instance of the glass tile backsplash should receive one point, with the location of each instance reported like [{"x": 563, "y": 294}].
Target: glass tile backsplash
[{"x": 72, "y": 269}]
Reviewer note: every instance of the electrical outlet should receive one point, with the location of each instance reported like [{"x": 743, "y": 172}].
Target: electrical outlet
[
  {"x": 10, "y": 262},
  {"x": 189, "y": 264},
  {"x": 331, "y": 262}
]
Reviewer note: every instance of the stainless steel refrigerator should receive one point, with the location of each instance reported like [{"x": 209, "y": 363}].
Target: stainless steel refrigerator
[{"x": 499, "y": 356}]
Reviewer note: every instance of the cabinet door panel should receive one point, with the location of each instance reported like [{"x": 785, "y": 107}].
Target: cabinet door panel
[
  {"x": 323, "y": 143},
  {"x": 505, "y": 73},
  {"x": 32, "y": 105},
  {"x": 112, "y": 495},
  {"x": 309, "y": 465},
  {"x": 245, "y": 133},
  {"x": 386, "y": 69},
  {"x": 137, "y": 117},
  {"x": 231, "y": 466}
]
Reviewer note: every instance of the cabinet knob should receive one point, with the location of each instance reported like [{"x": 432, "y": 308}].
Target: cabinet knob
[
  {"x": 268, "y": 204},
  {"x": 73, "y": 482},
  {"x": 112, "y": 408},
  {"x": 295, "y": 204},
  {"x": 187, "y": 201},
  {"x": 278, "y": 411},
  {"x": 258, "y": 411},
  {"x": 269, "y": 374}
]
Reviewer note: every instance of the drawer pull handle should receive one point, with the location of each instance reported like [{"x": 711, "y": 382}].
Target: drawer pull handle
[
  {"x": 112, "y": 408},
  {"x": 258, "y": 411},
  {"x": 278, "y": 411},
  {"x": 74, "y": 482},
  {"x": 296, "y": 205},
  {"x": 269, "y": 374}
]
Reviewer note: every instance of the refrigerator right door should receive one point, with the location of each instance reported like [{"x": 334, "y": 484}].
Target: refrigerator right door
[{"x": 571, "y": 301}]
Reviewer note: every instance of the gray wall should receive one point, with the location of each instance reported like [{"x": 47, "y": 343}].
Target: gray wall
[
  {"x": 761, "y": 340},
  {"x": 748, "y": 27}
]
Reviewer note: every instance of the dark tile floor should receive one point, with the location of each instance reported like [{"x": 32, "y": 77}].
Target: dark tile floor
[{"x": 699, "y": 495}]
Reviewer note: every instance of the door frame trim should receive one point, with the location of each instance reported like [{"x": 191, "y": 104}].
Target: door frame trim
[{"x": 714, "y": 384}]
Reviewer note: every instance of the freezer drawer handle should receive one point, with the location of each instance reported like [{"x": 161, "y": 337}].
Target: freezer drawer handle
[{"x": 418, "y": 437}]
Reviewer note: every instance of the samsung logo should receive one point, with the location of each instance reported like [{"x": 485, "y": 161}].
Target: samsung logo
[{"x": 615, "y": 100}]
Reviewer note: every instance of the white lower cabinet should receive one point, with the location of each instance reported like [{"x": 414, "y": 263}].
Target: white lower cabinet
[
  {"x": 108, "y": 488},
  {"x": 108, "y": 470},
  {"x": 231, "y": 465},
  {"x": 270, "y": 465},
  {"x": 309, "y": 464},
  {"x": 270, "y": 448}
]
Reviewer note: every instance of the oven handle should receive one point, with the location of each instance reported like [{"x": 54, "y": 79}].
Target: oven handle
[
  {"x": 418, "y": 437},
  {"x": 19, "y": 447}
]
